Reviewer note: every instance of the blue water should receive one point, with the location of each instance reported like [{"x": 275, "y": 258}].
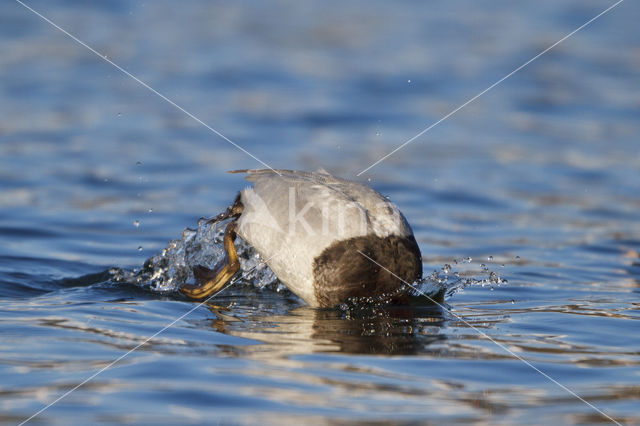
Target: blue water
[{"x": 538, "y": 179}]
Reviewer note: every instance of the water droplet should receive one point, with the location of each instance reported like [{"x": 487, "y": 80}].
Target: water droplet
[
  {"x": 409, "y": 81},
  {"x": 513, "y": 302},
  {"x": 368, "y": 179},
  {"x": 377, "y": 133},
  {"x": 467, "y": 260},
  {"x": 139, "y": 248},
  {"x": 490, "y": 258},
  {"x": 136, "y": 223},
  {"x": 138, "y": 163},
  {"x": 106, "y": 179},
  {"x": 150, "y": 210},
  {"x": 517, "y": 257}
]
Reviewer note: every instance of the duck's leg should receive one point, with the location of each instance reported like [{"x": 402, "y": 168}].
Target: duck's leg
[
  {"x": 234, "y": 210},
  {"x": 210, "y": 281}
]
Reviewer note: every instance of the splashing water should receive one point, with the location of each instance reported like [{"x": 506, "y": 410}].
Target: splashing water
[
  {"x": 173, "y": 266},
  {"x": 449, "y": 282}
]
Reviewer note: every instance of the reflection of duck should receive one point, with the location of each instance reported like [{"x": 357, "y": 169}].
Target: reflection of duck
[
  {"x": 314, "y": 230},
  {"x": 389, "y": 330}
]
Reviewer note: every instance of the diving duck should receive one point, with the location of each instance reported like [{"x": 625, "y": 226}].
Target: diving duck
[{"x": 327, "y": 239}]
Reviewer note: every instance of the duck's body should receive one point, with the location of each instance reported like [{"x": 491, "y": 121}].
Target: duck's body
[{"x": 326, "y": 238}]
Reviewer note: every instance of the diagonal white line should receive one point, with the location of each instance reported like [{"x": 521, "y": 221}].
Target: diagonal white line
[
  {"x": 490, "y": 87},
  {"x": 483, "y": 334},
  {"x": 138, "y": 346},
  {"x": 145, "y": 85}
]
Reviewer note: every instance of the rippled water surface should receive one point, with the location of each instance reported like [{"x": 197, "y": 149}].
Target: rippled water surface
[{"x": 538, "y": 180}]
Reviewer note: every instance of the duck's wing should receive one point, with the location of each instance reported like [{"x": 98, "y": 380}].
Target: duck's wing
[
  {"x": 322, "y": 189},
  {"x": 277, "y": 188},
  {"x": 321, "y": 176},
  {"x": 351, "y": 191}
]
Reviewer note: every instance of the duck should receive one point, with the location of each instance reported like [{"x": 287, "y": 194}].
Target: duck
[{"x": 327, "y": 239}]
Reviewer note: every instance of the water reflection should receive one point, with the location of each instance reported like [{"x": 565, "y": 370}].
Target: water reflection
[
  {"x": 369, "y": 330},
  {"x": 632, "y": 267}
]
